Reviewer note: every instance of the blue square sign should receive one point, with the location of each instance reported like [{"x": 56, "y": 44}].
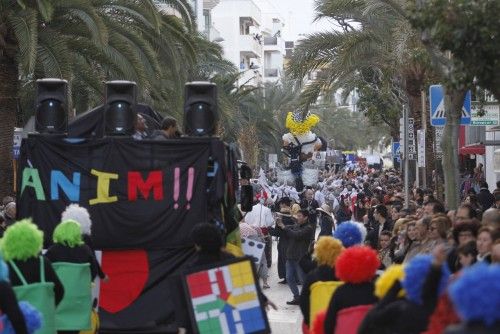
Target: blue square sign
[{"x": 436, "y": 98}]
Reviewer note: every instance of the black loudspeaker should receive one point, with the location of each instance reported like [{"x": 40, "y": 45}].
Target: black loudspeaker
[
  {"x": 200, "y": 109},
  {"x": 51, "y": 106},
  {"x": 120, "y": 109}
]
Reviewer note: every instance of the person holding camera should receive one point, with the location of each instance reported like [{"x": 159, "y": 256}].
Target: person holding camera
[{"x": 310, "y": 205}]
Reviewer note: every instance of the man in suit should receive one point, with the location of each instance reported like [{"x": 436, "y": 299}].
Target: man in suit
[{"x": 382, "y": 223}]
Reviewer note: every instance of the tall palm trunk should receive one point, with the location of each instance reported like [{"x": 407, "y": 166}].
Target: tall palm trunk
[
  {"x": 9, "y": 87},
  {"x": 453, "y": 101}
]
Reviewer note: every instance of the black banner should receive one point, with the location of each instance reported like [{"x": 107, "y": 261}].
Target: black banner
[{"x": 140, "y": 194}]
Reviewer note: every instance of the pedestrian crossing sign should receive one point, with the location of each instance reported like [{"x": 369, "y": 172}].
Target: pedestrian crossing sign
[{"x": 438, "y": 118}]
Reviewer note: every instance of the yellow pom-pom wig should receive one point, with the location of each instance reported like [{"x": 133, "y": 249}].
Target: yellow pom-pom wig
[
  {"x": 387, "y": 279},
  {"x": 326, "y": 250},
  {"x": 298, "y": 126}
]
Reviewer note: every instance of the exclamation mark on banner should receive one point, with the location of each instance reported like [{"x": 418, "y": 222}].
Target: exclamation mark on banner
[
  {"x": 177, "y": 186},
  {"x": 189, "y": 191}
]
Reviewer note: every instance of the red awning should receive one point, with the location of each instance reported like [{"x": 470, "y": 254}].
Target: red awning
[{"x": 472, "y": 149}]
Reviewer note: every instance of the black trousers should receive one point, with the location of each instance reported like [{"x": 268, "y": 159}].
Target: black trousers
[{"x": 282, "y": 243}]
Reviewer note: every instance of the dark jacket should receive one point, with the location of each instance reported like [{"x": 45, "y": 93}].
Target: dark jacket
[
  {"x": 473, "y": 328},
  {"x": 343, "y": 214},
  {"x": 299, "y": 239},
  {"x": 348, "y": 295},
  {"x": 10, "y": 307},
  {"x": 372, "y": 236},
  {"x": 321, "y": 273},
  {"x": 310, "y": 206},
  {"x": 326, "y": 225},
  {"x": 31, "y": 271},
  {"x": 88, "y": 241},
  {"x": 485, "y": 198},
  {"x": 78, "y": 254}
]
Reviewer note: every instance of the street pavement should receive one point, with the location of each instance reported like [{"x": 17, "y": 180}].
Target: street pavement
[{"x": 287, "y": 319}]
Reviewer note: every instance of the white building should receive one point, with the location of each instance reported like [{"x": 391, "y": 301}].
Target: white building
[{"x": 250, "y": 33}]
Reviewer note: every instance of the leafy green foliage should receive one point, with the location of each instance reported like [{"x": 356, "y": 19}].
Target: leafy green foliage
[{"x": 469, "y": 30}]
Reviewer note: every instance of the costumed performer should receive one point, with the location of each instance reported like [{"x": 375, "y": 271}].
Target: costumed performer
[{"x": 300, "y": 143}]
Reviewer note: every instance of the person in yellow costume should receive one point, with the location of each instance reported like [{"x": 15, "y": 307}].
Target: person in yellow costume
[{"x": 300, "y": 143}]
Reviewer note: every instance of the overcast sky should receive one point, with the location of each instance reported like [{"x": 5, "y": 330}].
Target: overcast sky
[{"x": 298, "y": 16}]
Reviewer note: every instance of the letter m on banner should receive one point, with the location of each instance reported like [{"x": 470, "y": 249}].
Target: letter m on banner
[{"x": 436, "y": 99}]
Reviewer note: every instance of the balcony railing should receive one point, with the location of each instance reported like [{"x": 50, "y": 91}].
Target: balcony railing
[
  {"x": 271, "y": 72},
  {"x": 270, "y": 40}
]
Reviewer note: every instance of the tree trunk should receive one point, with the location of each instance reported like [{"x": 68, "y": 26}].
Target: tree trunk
[
  {"x": 453, "y": 101},
  {"x": 9, "y": 87}
]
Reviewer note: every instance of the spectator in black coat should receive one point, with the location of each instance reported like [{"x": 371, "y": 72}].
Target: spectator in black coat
[
  {"x": 326, "y": 251},
  {"x": 299, "y": 236},
  {"x": 382, "y": 223},
  {"x": 485, "y": 198},
  {"x": 325, "y": 221}
]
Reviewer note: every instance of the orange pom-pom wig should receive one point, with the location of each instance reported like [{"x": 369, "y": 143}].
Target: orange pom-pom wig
[{"x": 357, "y": 264}]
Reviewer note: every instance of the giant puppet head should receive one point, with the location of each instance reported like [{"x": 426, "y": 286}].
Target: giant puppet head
[{"x": 300, "y": 129}]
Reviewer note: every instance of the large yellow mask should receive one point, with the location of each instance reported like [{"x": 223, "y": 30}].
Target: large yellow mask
[{"x": 299, "y": 126}]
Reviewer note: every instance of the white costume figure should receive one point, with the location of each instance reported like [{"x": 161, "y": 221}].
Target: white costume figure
[{"x": 300, "y": 143}]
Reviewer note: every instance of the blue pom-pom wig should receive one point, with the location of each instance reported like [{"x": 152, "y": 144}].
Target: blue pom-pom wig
[
  {"x": 476, "y": 294},
  {"x": 416, "y": 272},
  {"x": 349, "y": 234},
  {"x": 4, "y": 271}
]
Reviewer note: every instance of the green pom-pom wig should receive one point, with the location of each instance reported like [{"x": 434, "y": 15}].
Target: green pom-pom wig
[
  {"x": 21, "y": 241},
  {"x": 68, "y": 233}
]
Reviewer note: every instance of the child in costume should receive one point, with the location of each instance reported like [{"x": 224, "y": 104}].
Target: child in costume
[
  {"x": 356, "y": 267},
  {"x": 76, "y": 266},
  {"x": 31, "y": 274},
  {"x": 300, "y": 143},
  {"x": 326, "y": 251}
]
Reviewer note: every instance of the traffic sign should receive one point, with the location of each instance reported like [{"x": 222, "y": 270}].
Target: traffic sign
[
  {"x": 396, "y": 151},
  {"x": 16, "y": 143},
  {"x": 436, "y": 98}
]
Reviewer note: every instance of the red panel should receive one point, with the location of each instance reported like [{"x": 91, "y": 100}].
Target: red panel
[
  {"x": 128, "y": 273},
  {"x": 199, "y": 284}
]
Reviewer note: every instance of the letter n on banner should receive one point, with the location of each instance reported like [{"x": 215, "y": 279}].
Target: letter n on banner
[
  {"x": 154, "y": 181},
  {"x": 71, "y": 189}
]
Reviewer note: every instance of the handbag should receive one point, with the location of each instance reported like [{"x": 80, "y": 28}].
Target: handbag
[
  {"x": 74, "y": 311},
  {"x": 40, "y": 295}
]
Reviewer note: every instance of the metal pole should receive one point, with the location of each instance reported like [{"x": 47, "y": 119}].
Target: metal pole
[
  {"x": 407, "y": 161},
  {"x": 424, "y": 127}
]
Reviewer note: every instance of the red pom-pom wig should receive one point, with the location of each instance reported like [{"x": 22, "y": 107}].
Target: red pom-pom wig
[{"x": 357, "y": 264}]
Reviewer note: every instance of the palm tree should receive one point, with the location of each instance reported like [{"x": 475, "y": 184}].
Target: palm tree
[{"x": 88, "y": 42}]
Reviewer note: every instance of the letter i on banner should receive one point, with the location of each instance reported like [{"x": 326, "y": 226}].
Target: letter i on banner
[
  {"x": 189, "y": 192},
  {"x": 177, "y": 186}
]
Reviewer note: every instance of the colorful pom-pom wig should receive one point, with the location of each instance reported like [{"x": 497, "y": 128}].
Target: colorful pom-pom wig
[
  {"x": 68, "y": 233},
  {"x": 21, "y": 241},
  {"x": 476, "y": 294},
  {"x": 416, "y": 272},
  {"x": 357, "y": 264},
  {"x": 349, "y": 234},
  {"x": 80, "y": 215},
  {"x": 326, "y": 250},
  {"x": 385, "y": 282}
]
